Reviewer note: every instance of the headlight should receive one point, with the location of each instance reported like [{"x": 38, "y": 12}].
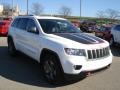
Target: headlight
[{"x": 77, "y": 52}]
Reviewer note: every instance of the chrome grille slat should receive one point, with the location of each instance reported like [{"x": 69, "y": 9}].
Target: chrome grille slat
[
  {"x": 94, "y": 54},
  {"x": 97, "y": 53},
  {"x": 104, "y": 52},
  {"x": 107, "y": 50},
  {"x": 91, "y": 54},
  {"x": 100, "y": 52}
]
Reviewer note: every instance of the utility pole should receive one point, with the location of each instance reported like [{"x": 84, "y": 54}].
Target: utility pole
[
  {"x": 27, "y": 7},
  {"x": 80, "y": 8},
  {"x": 12, "y": 7}
]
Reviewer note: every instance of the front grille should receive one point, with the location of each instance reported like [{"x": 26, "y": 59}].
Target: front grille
[{"x": 98, "y": 53}]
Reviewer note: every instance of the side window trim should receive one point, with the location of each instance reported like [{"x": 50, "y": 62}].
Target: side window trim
[
  {"x": 23, "y": 24},
  {"x": 15, "y": 22},
  {"x": 29, "y": 21}
]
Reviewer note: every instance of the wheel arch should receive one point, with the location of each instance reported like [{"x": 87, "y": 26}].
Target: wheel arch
[
  {"x": 9, "y": 38},
  {"x": 46, "y": 51}
]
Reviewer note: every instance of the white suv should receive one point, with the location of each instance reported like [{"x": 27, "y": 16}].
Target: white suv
[
  {"x": 58, "y": 46},
  {"x": 115, "y": 32}
]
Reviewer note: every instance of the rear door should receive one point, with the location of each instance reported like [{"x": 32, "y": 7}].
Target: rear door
[{"x": 20, "y": 34}]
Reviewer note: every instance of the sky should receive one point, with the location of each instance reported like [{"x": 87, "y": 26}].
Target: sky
[{"x": 89, "y": 7}]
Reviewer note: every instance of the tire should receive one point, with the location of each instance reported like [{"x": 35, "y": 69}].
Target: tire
[
  {"x": 111, "y": 41},
  {"x": 11, "y": 48},
  {"x": 51, "y": 69}
]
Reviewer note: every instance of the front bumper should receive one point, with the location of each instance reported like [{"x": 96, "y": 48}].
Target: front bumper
[
  {"x": 86, "y": 65},
  {"x": 83, "y": 74}
]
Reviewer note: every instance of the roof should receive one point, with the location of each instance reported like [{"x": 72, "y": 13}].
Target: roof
[{"x": 41, "y": 17}]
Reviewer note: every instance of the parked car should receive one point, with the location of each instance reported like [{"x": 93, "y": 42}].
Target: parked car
[
  {"x": 104, "y": 32},
  {"x": 76, "y": 23},
  {"x": 88, "y": 26},
  {"x": 4, "y": 25},
  {"x": 115, "y": 35},
  {"x": 59, "y": 47}
]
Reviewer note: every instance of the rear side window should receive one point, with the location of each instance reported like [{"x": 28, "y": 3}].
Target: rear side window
[
  {"x": 15, "y": 22},
  {"x": 22, "y": 23},
  {"x": 117, "y": 27},
  {"x": 31, "y": 24}
]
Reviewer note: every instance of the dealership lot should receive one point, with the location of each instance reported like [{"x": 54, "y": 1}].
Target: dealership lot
[{"x": 23, "y": 73}]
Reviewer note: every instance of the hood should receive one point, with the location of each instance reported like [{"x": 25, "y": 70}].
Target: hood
[{"x": 81, "y": 38}]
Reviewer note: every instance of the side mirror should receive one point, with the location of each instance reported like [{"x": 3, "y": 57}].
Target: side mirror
[{"x": 32, "y": 30}]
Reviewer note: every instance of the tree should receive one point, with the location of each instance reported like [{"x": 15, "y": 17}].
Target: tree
[
  {"x": 6, "y": 8},
  {"x": 37, "y": 8},
  {"x": 100, "y": 14},
  {"x": 112, "y": 14},
  {"x": 108, "y": 13},
  {"x": 65, "y": 11}
]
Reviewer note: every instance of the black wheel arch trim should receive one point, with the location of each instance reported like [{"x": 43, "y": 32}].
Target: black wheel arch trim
[
  {"x": 9, "y": 37},
  {"x": 45, "y": 50}
]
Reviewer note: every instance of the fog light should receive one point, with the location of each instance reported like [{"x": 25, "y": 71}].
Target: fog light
[{"x": 77, "y": 67}]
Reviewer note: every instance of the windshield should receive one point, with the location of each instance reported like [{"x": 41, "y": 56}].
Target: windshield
[
  {"x": 104, "y": 28},
  {"x": 57, "y": 26}
]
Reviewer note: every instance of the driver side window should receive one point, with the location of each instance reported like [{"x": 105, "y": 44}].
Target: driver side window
[{"x": 31, "y": 27}]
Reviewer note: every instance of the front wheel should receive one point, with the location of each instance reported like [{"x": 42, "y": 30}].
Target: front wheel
[
  {"x": 11, "y": 48},
  {"x": 51, "y": 69}
]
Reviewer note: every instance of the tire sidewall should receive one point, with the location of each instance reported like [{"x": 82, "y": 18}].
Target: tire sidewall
[
  {"x": 58, "y": 77},
  {"x": 11, "y": 48}
]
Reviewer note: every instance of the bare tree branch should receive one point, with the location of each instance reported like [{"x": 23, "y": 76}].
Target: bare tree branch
[
  {"x": 37, "y": 8},
  {"x": 100, "y": 14},
  {"x": 65, "y": 11},
  {"x": 6, "y": 8},
  {"x": 108, "y": 13},
  {"x": 112, "y": 14}
]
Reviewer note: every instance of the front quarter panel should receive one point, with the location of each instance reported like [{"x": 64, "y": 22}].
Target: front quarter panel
[{"x": 49, "y": 44}]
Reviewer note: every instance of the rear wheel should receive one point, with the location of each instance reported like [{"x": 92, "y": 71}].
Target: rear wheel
[
  {"x": 11, "y": 48},
  {"x": 51, "y": 69}
]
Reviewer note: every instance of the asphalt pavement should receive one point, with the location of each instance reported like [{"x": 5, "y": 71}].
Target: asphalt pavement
[{"x": 23, "y": 73}]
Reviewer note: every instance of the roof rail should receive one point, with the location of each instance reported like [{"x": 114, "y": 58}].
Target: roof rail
[
  {"x": 31, "y": 15},
  {"x": 26, "y": 15}
]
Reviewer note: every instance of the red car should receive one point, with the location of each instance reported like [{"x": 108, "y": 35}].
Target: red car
[
  {"x": 104, "y": 32},
  {"x": 4, "y": 25}
]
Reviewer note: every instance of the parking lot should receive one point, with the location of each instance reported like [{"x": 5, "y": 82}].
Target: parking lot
[{"x": 22, "y": 73}]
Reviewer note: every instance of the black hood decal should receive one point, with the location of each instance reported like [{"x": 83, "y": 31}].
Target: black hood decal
[{"x": 81, "y": 38}]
